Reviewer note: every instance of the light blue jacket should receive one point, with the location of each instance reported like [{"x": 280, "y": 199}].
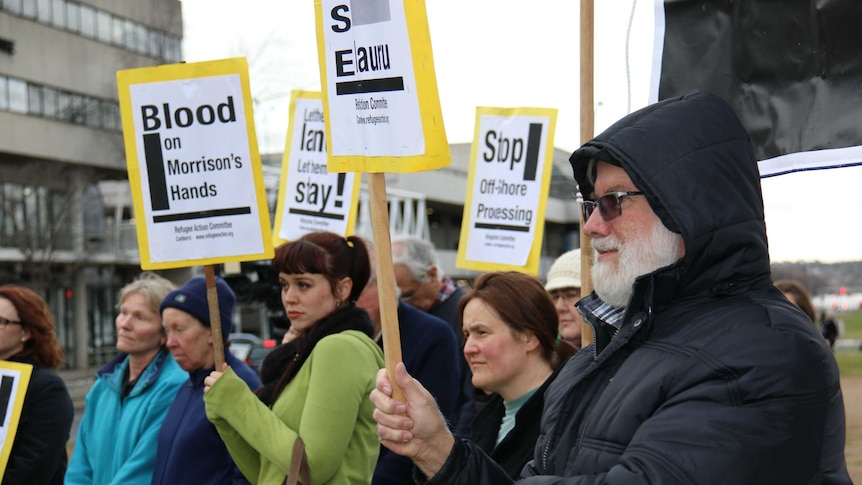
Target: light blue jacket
[{"x": 116, "y": 441}]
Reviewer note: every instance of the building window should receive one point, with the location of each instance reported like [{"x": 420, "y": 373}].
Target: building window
[
  {"x": 118, "y": 32},
  {"x": 49, "y": 102},
  {"x": 29, "y": 9},
  {"x": 88, "y": 22},
  {"x": 34, "y": 99},
  {"x": 4, "y": 93},
  {"x": 43, "y": 11},
  {"x": 103, "y": 27},
  {"x": 141, "y": 39},
  {"x": 73, "y": 17},
  {"x": 13, "y": 6},
  {"x": 93, "y": 113},
  {"x": 58, "y": 13},
  {"x": 17, "y": 96}
]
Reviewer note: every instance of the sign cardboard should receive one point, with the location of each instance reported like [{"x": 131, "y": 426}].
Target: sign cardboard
[
  {"x": 382, "y": 112},
  {"x": 508, "y": 184},
  {"x": 14, "y": 380},
  {"x": 193, "y": 164},
  {"x": 310, "y": 197}
]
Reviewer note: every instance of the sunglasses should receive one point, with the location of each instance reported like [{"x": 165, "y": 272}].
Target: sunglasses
[{"x": 610, "y": 205}]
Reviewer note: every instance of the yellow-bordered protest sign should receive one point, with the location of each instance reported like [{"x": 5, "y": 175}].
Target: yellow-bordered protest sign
[
  {"x": 507, "y": 189},
  {"x": 310, "y": 197},
  {"x": 193, "y": 164},
  {"x": 380, "y": 89},
  {"x": 14, "y": 380},
  {"x": 382, "y": 114}
]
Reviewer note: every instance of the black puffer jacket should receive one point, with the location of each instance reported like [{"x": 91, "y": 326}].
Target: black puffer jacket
[{"x": 714, "y": 376}]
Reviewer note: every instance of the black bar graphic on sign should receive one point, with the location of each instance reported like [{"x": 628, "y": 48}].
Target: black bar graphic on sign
[
  {"x": 370, "y": 86},
  {"x": 156, "y": 172},
  {"x": 324, "y": 215},
  {"x": 5, "y": 396},
  {"x": 185, "y": 216},
  {"x": 501, "y": 227},
  {"x": 533, "y": 140}
]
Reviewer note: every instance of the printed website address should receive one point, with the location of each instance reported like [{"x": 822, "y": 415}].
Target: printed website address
[
  {"x": 372, "y": 120},
  {"x": 213, "y": 235}
]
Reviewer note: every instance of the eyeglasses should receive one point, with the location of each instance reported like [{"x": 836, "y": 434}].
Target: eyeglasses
[
  {"x": 609, "y": 205},
  {"x": 6, "y": 321},
  {"x": 569, "y": 296}
]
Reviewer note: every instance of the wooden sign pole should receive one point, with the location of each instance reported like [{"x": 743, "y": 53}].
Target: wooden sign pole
[
  {"x": 385, "y": 277},
  {"x": 215, "y": 317},
  {"x": 587, "y": 133}
]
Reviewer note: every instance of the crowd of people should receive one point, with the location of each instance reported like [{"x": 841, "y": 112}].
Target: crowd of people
[{"x": 701, "y": 369}]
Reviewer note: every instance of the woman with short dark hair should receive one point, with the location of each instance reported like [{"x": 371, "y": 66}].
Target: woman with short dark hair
[{"x": 316, "y": 387}]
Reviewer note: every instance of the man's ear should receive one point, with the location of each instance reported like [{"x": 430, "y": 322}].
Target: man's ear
[
  {"x": 343, "y": 288},
  {"x": 432, "y": 273}
]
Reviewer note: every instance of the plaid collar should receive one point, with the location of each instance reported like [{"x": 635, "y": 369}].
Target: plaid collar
[
  {"x": 611, "y": 315},
  {"x": 446, "y": 290}
]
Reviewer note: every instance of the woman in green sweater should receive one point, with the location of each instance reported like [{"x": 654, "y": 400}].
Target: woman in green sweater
[{"x": 317, "y": 386}]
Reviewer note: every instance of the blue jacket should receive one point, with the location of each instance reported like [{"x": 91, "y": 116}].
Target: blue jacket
[
  {"x": 431, "y": 353},
  {"x": 189, "y": 447},
  {"x": 116, "y": 441}
]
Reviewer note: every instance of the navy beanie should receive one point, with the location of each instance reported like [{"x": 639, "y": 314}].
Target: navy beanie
[{"x": 192, "y": 299}]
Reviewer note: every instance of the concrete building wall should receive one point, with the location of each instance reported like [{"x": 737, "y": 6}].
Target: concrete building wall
[{"x": 60, "y": 140}]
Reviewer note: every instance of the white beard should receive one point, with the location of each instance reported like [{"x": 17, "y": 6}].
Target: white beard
[{"x": 614, "y": 282}]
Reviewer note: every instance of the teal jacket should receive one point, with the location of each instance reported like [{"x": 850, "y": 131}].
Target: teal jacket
[
  {"x": 116, "y": 441},
  {"x": 327, "y": 404}
]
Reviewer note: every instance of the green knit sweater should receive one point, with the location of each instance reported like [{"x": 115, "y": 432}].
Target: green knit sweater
[{"x": 327, "y": 404}]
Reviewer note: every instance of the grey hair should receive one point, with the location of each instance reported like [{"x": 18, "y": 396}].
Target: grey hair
[
  {"x": 153, "y": 287},
  {"x": 418, "y": 255},
  {"x": 372, "y": 278}
]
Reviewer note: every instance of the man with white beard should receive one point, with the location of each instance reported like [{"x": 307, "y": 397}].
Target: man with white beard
[{"x": 701, "y": 371}]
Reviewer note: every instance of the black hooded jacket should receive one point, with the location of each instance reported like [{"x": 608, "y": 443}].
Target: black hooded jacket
[{"x": 714, "y": 377}]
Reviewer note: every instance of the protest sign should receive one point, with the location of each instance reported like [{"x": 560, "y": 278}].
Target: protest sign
[
  {"x": 310, "y": 197},
  {"x": 508, "y": 183},
  {"x": 14, "y": 380},
  {"x": 193, "y": 164}
]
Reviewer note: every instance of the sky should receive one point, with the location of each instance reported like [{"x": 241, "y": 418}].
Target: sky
[{"x": 511, "y": 53}]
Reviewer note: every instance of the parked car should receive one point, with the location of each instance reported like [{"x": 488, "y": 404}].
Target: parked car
[{"x": 250, "y": 348}]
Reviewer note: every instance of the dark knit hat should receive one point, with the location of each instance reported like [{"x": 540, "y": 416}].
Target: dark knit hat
[{"x": 192, "y": 299}]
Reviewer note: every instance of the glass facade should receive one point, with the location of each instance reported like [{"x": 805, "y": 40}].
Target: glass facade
[
  {"x": 34, "y": 99},
  {"x": 98, "y": 25}
]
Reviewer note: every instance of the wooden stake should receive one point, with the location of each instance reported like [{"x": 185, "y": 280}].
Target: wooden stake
[
  {"x": 385, "y": 278},
  {"x": 587, "y": 133},
  {"x": 215, "y": 317}
]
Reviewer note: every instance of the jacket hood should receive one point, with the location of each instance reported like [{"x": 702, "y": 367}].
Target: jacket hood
[{"x": 693, "y": 160}]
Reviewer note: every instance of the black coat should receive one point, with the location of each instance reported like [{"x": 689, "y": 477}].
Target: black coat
[
  {"x": 714, "y": 377},
  {"x": 516, "y": 449},
  {"x": 38, "y": 455}
]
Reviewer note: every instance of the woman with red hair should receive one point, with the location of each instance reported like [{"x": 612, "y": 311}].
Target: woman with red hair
[{"x": 27, "y": 336}]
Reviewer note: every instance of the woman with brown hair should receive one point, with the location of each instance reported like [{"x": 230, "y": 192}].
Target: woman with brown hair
[
  {"x": 27, "y": 336},
  {"x": 513, "y": 348},
  {"x": 798, "y": 295}
]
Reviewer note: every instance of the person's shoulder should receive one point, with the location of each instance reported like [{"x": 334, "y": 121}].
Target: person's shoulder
[
  {"x": 412, "y": 317},
  {"x": 754, "y": 331},
  {"x": 45, "y": 376},
  {"x": 348, "y": 344}
]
